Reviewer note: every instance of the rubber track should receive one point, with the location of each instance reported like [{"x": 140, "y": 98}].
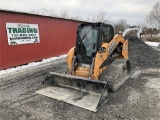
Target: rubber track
[{"x": 114, "y": 73}]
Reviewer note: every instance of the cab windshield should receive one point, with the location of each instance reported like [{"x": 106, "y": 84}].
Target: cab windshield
[{"x": 88, "y": 36}]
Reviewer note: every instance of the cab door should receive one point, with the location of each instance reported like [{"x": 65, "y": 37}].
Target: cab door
[{"x": 107, "y": 34}]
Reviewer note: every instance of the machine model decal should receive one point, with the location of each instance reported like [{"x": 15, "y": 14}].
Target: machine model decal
[{"x": 112, "y": 47}]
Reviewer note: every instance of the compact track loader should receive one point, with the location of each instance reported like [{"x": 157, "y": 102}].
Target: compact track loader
[{"x": 97, "y": 65}]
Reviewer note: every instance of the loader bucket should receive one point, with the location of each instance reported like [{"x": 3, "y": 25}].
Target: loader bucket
[{"x": 78, "y": 91}]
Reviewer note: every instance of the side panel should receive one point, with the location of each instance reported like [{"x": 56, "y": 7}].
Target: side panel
[
  {"x": 125, "y": 49},
  {"x": 101, "y": 57},
  {"x": 70, "y": 58},
  {"x": 57, "y": 36}
]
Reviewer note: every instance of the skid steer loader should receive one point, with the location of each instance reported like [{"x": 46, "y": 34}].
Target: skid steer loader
[{"x": 97, "y": 65}]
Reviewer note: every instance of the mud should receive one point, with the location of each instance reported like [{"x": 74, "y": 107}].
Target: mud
[{"x": 138, "y": 98}]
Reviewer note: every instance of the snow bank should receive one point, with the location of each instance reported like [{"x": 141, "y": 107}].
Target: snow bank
[
  {"x": 31, "y": 65},
  {"x": 153, "y": 43}
]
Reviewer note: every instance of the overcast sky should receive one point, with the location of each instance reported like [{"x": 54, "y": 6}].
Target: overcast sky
[{"x": 134, "y": 11}]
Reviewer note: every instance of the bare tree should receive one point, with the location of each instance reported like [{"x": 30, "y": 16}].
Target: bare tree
[
  {"x": 88, "y": 19},
  {"x": 44, "y": 11},
  {"x": 52, "y": 13},
  {"x": 154, "y": 15},
  {"x": 79, "y": 18},
  {"x": 121, "y": 25},
  {"x": 64, "y": 14},
  {"x": 150, "y": 34},
  {"x": 101, "y": 16},
  {"x": 34, "y": 11},
  {"x": 152, "y": 28}
]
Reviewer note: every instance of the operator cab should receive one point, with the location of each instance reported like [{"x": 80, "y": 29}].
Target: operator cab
[
  {"x": 90, "y": 37},
  {"x": 107, "y": 33}
]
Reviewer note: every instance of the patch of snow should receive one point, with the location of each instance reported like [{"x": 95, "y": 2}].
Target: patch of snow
[
  {"x": 31, "y": 65},
  {"x": 153, "y": 83},
  {"x": 134, "y": 96},
  {"x": 136, "y": 74},
  {"x": 152, "y": 43}
]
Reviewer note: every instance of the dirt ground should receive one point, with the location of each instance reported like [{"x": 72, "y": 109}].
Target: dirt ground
[{"x": 138, "y": 98}]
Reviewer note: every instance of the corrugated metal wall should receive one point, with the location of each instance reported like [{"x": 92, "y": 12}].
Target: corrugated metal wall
[{"x": 57, "y": 36}]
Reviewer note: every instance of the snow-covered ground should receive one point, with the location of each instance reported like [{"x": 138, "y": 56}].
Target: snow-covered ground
[
  {"x": 155, "y": 44},
  {"x": 31, "y": 65}
]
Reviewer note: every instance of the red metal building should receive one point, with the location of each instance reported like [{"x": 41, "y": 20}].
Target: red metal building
[{"x": 56, "y": 36}]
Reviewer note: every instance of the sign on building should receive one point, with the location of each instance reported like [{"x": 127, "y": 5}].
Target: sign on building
[{"x": 19, "y": 33}]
